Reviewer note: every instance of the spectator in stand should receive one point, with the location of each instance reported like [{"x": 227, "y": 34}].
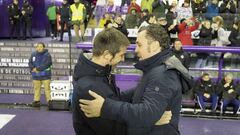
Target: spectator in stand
[
  {"x": 234, "y": 36},
  {"x": 150, "y": 20},
  {"x": 212, "y": 10},
  {"x": 199, "y": 8},
  {"x": 185, "y": 11},
  {"x": 104, "y": 19},
  {"x": 183, "y": 56},
  {"x": 159, "y": 7},
  {"x": 171, "y": 16},
  {"x": 220, "y": 36},
  {"x": 135, "y": 6},
  {"x": 119, "y": 24},
  {"x": 229, "y": 93},
  {"x": 205, "y": 92},
  {"x": 162, "y": 21},
  {"x": 185, "y": 28},
  {"x": 147, "y": 4},
  {"x": 144, "y": 17},
  {"x": 110, "y": 7},
  {"x": 100, "y": 9},
  {"x": 132, "y": 19},
  {"x": 227, "y": 11},
  {"x": 128, "y": 2},
  {"x": 205, "y": 38},
  {"x": 52, "y": 17}
]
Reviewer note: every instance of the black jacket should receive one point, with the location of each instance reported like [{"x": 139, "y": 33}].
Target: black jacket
[
  {"x": 183, "y": 56},
  {"x": 90, "y": 76},
  {"x": 202, "y": 87},
  {"x": 224, "y": 90},
  {"x": 13, "y": 12},
  {"x": 28, "y": 9},
  {"x": 159, "y": 89},
  {"x": 64, "y": 11},
  {"x": 234, "y": 38}
]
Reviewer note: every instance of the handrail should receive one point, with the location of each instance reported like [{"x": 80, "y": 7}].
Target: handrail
[
  {"x": 206, "y": 49},
  {"x": 211, "y": 49}
]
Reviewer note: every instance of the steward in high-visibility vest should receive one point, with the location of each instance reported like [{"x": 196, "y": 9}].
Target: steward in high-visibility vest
[{"x": 78, "y": 14}]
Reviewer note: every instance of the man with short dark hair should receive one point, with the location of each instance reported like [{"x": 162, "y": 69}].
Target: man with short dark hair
[
  {"x": 183, "y": 56},
  {"x": 94, "y": 73},
  {"x": 160, "y": 89},
  {"x": 40, "y": 64}
]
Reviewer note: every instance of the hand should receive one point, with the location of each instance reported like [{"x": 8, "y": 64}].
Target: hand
[
  {"x": 165, "y": 119},
  {"x": 23, "y": 12},
  {"x": 206, "y": 95},
  {"x": 230, "y": 91},
  {"x": 226, "y": 85},
  {"x": 34, "y": 70},
  {"x": 16, "y": 16},
  {"x": 92, "y": 108}
]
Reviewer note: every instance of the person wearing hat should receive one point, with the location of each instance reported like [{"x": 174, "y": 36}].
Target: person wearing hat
[{"x": 27, "y": 11}]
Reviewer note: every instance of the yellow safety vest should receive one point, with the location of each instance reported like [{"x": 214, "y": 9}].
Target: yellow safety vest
[{"x": 77, "y": 13}]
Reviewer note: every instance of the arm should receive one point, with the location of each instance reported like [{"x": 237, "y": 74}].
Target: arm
[
  {"x": 182, "y": 26},
  {"x": 143, "y": 114},
  {"x": 30, "y": 63},
  {"x": 126, "y": 96},
  {"x": 79, "y": 124},
  {"x": 90, "y": 126},
  {"x": 232, "y": 39}
]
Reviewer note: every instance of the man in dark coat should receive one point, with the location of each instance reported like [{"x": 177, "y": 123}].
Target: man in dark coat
[
  {"x": 183, "y": 56},
  {"x": 160, "y": 89},
  {"x": 92, "y": 73},
  {"x": 206, "y": 92},
  {"x": 27, "y": 11},
  {"x": 14, "y": 18},
  {"x": 64, "y": 12},
  {"x": 229, "y": 93}
]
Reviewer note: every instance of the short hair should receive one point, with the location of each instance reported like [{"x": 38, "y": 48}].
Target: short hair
[
  {"x": 177, "y": 39},
  {"x": 205, "y": 74},
  {"x": 157, "y": 33},
  {"x": 109, "y": 39},
  {"x": 218, "y": 19},
  {"x": 41, "y": 43}
]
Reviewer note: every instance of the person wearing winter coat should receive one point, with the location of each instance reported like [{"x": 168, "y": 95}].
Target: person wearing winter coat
[
  {"x": 205, "y": 92},
  {"x": 160, "y": 89},
  {"x": 40, "y": 64},
  {"x": 93, "y": 72}
]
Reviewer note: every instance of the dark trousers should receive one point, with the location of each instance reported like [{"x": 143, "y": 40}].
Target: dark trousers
[
  {"x": 202, "y": 101},
  {"x": 226, "y": 102},
  {"x": 63, "y": 23},
  {"x": 27, "y": 26},
  {"x": 15, "y": 26},
  {"x": 53, "y": 26}
]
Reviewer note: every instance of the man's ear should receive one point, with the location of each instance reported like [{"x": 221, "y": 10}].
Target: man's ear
[
  {"x": 107, "y": 55},
  {"x": 155, "y": 46}
]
